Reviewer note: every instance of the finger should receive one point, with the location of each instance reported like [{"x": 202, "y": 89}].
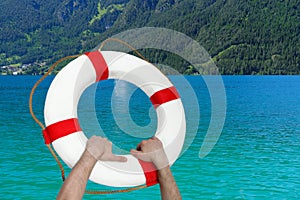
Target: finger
[
  {"x": 135, "y": 153},
  {"x": 143, "y": 142},
  {"x": 139, "y": 155},
  {"x": 140, "y": 145},
  {"x": 108, "y": 144},
  {"x": 118, "y": 158},
  {"x": 92, "y": 138},
  {"x": 97, "y": 137}
]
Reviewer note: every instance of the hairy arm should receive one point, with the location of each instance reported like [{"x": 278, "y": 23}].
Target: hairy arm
[
  {"x": 168, "y": 187},
  {"x": 97, "y": 148},
  {"x": 152, "y": 151},
  {"x": 74, "y": 186}
]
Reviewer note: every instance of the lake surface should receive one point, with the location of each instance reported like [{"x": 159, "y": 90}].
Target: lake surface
[{"x": 256, "y": 156}]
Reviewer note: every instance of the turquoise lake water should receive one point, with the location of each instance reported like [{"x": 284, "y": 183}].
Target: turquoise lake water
[{"x": 256, "y": 156}]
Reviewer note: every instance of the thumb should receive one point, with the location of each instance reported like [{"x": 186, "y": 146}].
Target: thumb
[
  {"x": 139, "y": 155},
  {"x": 135, "y": 153}
]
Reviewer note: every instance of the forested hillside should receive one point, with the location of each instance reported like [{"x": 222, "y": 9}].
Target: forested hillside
[
  {"x": 242, "y": 36},
  {"x": 38, "y": 31}
]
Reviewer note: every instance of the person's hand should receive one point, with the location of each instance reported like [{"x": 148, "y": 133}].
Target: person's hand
[
  {"x": 101, "y": 149},
  {"x": 151, "y": 151}
]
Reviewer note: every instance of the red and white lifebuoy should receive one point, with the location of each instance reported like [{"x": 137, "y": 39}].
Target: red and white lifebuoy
[{"x": 69, "y": 141}]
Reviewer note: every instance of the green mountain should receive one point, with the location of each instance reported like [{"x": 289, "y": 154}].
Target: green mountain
[
  {"x": 242, "y": 36},
  {"x": 42, "y": 30}
]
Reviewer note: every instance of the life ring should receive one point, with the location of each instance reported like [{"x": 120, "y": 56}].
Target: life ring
[{"x": 67, "y": 138}]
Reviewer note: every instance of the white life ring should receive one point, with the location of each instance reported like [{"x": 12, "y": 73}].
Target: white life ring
[{"x": 69, "y": 141}]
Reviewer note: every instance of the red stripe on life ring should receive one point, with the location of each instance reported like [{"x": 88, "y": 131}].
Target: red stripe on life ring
[
  {"x": 164, "y": 96},
  {"x": 60, "y": 129},
  {"x": 99, "y": 64},
  {"x": 150, "y": 172}
]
